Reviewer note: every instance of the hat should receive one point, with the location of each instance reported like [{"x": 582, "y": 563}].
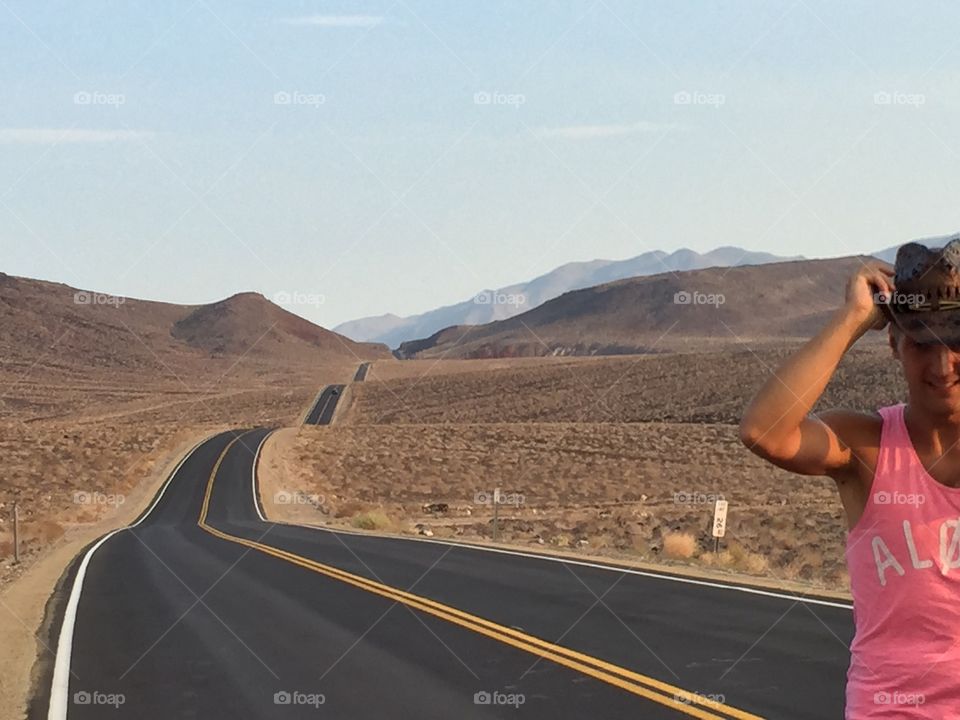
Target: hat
[{"x": 925, "y": 303}]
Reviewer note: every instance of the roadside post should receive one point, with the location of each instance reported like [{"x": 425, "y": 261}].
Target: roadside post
[
  {"x": 719, "y": 523},
  {"x": 496, "y": 514},
  {"x": 16, "y": 533}
]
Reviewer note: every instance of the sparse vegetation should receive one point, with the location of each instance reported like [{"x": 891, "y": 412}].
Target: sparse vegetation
[
  {"x": 372, "y": 520},
  {"x": 680, "y": 545}
]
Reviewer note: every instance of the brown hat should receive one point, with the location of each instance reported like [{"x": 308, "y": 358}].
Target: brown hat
[{"x": 926, "y": 300}]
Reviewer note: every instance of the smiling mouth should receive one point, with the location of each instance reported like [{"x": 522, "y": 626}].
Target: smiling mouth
[{"x": 944, "y": 386}]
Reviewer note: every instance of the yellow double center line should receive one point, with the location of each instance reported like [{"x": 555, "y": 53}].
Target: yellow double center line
[{"x": 684, "y": 701}]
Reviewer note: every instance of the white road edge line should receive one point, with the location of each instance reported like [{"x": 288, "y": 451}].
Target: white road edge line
[
  {"x": 254, "y": 486},
  {"x": 60, "y": 685},
  {"x": 568, "y": 561}
]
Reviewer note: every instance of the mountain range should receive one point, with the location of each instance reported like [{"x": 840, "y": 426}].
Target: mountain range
[
  {"x": 738, "y": 305},
  {"x": 502, "y": 303}
]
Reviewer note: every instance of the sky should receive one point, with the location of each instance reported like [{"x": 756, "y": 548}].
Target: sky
[{"x": 358, "y": 158}]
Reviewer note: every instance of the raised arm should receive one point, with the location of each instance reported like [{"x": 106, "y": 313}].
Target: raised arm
[{"x": 777, "y": 424}]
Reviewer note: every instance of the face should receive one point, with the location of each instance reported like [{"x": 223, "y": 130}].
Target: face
[{"x": 932, "y": 371}]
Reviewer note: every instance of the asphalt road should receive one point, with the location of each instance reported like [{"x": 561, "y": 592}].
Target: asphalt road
[
  {"x": 361, "y": 374},
  {"x": 322, "y": 411},
  {"x": 205, "y": 610}
]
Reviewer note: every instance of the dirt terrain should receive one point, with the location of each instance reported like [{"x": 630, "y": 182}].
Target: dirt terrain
[
  {"x": 621, "y": 457},
  {"x": 711, "y": 386}
]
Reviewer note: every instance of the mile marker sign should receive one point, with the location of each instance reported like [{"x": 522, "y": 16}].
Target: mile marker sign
[{"x": 720, "y": 519}]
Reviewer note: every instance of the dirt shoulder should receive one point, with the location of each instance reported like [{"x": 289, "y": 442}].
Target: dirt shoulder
[{"x": 27, "y": 650}]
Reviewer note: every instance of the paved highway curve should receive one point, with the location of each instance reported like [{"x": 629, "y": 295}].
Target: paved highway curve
[{"x": 205, "y": 610}]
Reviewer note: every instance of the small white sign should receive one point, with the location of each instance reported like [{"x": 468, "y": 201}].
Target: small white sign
[{"x": 720, "y": 519}]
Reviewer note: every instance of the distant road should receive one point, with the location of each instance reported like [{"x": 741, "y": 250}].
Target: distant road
[
  {"x": 322, "y": 411},
  {"x": 205, "y": 610},
  {"x": 361, "y": 372}
]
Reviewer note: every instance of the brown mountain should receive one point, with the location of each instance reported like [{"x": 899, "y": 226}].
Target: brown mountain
[
  {"x": 51, "y": 326},
  {"x": 671, "y": 310}
]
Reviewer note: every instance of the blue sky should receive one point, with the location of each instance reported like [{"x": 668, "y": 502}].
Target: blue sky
[{"x": 396, "y": 156}]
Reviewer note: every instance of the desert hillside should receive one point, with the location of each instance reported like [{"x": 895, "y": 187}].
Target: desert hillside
[
  {"x": 98, "y": 394},
  {"x": 774, "y": 302},
  {"x": 66, "y": 331}
]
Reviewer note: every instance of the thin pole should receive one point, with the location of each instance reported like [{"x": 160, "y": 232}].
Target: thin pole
[{"x": 16, "y": 532}]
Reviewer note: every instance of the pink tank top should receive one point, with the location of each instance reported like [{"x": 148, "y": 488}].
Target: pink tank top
[{"x": 903, "y": 557}]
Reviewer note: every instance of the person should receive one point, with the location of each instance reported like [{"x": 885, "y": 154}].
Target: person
[{"x": 897, "y": 471}]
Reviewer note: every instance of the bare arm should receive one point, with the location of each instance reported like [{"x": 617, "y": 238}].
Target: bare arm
[{"x": 777, "y": 424}]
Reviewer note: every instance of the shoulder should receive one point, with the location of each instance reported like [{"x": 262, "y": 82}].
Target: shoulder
[
  {"x": 860, "y": 433},
  {"x": 856, "y": 424}
]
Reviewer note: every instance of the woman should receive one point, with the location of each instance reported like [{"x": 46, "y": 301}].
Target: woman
[{"x": 898, "y": 474}]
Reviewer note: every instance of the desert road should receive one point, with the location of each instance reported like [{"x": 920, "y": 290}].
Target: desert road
[
  {"x": 202, "y": 609},
  {"x": 361, "y": 374},
  {"x": 322, "y": 411}
]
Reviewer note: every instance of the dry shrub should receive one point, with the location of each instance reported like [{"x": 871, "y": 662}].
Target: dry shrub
[
  {"x": 679, "y": 545},
  {"x": 736, "y": 557},
  {"x": 372, "y": 520}
]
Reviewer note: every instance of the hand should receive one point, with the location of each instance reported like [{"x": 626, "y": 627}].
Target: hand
[{"x": 870, "y": 278}]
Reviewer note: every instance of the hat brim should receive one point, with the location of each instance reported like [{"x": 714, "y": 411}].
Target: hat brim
[{"x": 932, "y": 327}]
